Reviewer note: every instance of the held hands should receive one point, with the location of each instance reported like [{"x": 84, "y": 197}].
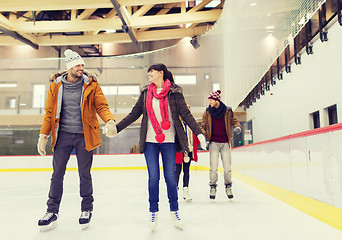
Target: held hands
[
  {"x": 110, "y": 129},
  {"x": 42, "y": 140},
  {"x": 237, "y": 130},
  {"x": 186, "y": 158},
  {"x": 202, "y": 140}
]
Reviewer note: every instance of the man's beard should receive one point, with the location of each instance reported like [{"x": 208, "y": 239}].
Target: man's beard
[{"x": 76, "y": 75}]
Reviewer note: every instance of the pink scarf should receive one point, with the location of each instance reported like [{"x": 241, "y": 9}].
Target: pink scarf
[{"x": 164, "y": 109}]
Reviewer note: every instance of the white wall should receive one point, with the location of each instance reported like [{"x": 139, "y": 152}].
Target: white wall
[
  {"x": 311, "y": 86},
  {"x": 309, "y": 165}
]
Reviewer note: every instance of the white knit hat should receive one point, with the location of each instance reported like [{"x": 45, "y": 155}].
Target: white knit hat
[{"x": 72, "y": 59}]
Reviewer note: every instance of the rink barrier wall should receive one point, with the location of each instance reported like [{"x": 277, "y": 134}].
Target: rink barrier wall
[
  {"x": 262, "y": 165},
  {"x": 308, "y": 133},
  {"x": 308, "y": 163}
]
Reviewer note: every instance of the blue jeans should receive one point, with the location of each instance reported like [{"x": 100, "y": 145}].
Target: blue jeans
[{"x": 168, "y": 152}]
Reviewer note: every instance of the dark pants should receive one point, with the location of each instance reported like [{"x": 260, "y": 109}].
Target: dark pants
[
  {"x": 168, "y": 153},
  {"x": 186, "y": 172},
  {"x": 66, "y": 142}
]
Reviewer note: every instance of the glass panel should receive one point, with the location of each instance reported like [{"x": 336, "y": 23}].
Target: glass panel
[
  {"x": 185, "y": 79},
  {"x": 129, "y": 90},
  {"x": 38, "y": 96}
]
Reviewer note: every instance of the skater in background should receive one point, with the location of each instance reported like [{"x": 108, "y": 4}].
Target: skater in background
[
  {"x": 218, "y": 120},
  {"x": 183, "y": 159},
  {"x": 161, "y": 103},
  {"x": 74, "y": 98}
]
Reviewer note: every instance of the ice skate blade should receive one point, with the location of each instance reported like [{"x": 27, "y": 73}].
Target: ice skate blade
[
  {"x": 179, "y": 226},
  {"x": 84, "y": 226},
  {"x": 49, "y": 227},
  {"x": 188, "y": 200},
  {"x": 153, "y": 226}
]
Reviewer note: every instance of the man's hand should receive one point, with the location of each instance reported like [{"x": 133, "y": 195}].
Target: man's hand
[
  {"x": 42, "y": 140},
  {"x": 237, "y": 130},
  {"x": 202, "y": 140},
  {"x": 110, "y": 129}
]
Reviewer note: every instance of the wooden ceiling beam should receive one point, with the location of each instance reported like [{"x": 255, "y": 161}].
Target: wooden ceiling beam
[
  {"x": 175, "y": 19},
  {"x": 68, "y": 26},
  {"x": 156, "y": 35},
  {"x": 115, "y": 23},
  {"x": 43, "y": 5}
]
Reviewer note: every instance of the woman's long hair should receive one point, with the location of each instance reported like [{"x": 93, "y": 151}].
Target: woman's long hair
[{"x": 161, "y": 67}]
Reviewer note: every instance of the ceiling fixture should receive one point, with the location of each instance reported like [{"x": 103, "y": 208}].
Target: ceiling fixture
[{"x": 194, "y": 42}]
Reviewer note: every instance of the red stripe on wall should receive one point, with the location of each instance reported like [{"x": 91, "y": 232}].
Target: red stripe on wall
[{"x": 331, "y": 128}]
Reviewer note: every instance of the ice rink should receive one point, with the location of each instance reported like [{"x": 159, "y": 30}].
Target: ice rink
[{"x": 121, "y": 206}]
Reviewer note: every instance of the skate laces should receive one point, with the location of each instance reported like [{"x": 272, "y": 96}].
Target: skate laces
[
  {"x": 153, "y": 216},
  {"x": 85, "y": 214},
  {"x": 47, "y": 216},
  {"x": 175, "y": 216}
]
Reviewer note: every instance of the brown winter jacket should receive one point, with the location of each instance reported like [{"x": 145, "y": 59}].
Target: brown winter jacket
[
  {"x": 229, "y": 119},
  {"x": 178, "y": 108},
  {"x": 93, "y": 101}
]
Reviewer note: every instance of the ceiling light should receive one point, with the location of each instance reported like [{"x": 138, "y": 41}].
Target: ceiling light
[
  {"x": 252, "y": 4},
  {"x": 8, "y": 85}
]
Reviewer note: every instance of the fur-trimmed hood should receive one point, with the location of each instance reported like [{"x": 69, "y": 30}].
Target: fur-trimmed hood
[{"x": 88, "y": 77}]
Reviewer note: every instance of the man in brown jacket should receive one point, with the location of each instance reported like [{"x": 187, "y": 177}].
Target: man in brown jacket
[
  {"x": 217, "y": 123},
  {"x": 74, "y": 98}
]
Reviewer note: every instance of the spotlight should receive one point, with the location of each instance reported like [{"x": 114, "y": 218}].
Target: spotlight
[{"x": 194, "y": 42}]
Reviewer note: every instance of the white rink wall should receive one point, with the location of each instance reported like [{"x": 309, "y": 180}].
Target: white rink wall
[
  {"x": 36, "y": 163},
  {"x": 307, "y": 163}
]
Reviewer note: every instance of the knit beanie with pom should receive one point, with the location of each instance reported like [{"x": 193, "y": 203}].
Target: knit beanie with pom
[
  {"x": 72, "y": 59},
  {"x": 215, "y": 95}
]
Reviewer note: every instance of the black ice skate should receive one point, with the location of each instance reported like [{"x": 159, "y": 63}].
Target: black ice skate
[
  {"x": 85, "y": 219},
  {"x": 48, "y": 222},
  {"x": 212, "y": 192}
]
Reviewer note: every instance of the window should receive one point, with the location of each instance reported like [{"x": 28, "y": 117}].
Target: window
[
  {"x": 121, "y": 90},
  {"x": 185, "y": 79},
  {"x": 109, "y": 90},
  {"x": 216, "y": 86},
  {"x": 38, "y": 96},
  {"x": 212, "y": 4},
  {"x": 129, "y": 90},
  {"x": 332, "y": 114},
  {"x": 11, "y": 102},
  {"x": 315, "y": 120},
  {"x": 8, "y": 85}
]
